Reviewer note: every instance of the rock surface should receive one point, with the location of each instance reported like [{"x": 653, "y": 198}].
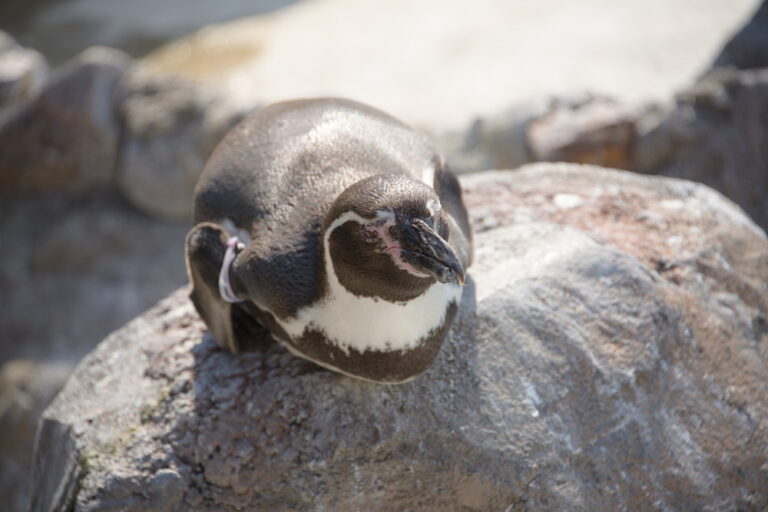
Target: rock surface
[
  {"x": 596, "y": 131},
  {"x": 716, "y": 134},
  {"x": 610, "y": 354},
  {"x": 85, "y": 265},
  {"x": 66, "y": 138},
  {"x": 170, "y": 126},
  {"x": 23, "y": 72},
  {"x": 748, "y": 48},
  {"x": 73, "y": 251},
  {"x": 495, "y": 142},
  {"x": 73, "y": 270},
  {"x": 579, "y": 128},
  {"x": 26, "y": 389}
]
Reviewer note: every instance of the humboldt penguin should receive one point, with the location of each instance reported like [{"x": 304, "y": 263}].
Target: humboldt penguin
[{"x": 337, "y": 230}]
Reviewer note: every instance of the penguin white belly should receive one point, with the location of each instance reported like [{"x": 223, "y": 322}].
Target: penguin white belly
[
  {"x": 371, "y": 324},
  {"x": 364, "y": 323}
]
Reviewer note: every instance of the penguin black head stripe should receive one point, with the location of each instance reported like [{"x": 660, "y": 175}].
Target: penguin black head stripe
[{"x": 344, "y": 235}]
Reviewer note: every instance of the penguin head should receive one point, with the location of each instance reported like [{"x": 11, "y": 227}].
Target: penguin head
[{"x": 387, "y": 236}]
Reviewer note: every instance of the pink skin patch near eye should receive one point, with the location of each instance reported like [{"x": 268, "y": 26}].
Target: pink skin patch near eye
[{"x": 388, "y": 245}]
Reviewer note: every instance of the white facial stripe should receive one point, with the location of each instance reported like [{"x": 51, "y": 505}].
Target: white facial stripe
[
  {"x": 433, "y": 207},
  {"x": 428, "y": 176},
  {"x": 385, "y": 215},
  {"x": 366, "y": 323},
  {"x": 343, "y": 219}
]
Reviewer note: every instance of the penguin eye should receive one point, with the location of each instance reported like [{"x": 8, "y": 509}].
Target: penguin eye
[{"x": 369, "y": 234}]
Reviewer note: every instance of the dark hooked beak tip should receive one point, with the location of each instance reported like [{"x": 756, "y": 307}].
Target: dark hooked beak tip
[
  {"x": 429, "y": 253},
  {"x": 451, "y": 271},
  {"x": 459, "y": 275},
  {"x": 452, "y": 274}
]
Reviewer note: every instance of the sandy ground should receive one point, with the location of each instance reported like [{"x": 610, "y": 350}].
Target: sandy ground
[{"x": 440, "y": 64}]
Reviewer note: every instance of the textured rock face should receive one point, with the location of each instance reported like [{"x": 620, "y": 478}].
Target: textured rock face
[
  {"x": 65, "y": 139},
  {"x": 496, "y": 142},
  {"x": 596, "y": 131},
  {"x": 26, "y": 388},
  {"x": 716, "y": 134},
  {"x": 170, "y": 128},
  {"x": 22, "y": 73},
  {"x": 73, "y": 270},
  {"x": 748, "y": 49},
  {"x": 610, "y": 354},
  {"x": 83, "y": 265},
  {"x": 73, "y": 252},
  {"x": 578, "y": 128}
]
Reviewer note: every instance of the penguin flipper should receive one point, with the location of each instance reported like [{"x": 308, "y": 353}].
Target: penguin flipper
[{"x": 205, "y": 247}]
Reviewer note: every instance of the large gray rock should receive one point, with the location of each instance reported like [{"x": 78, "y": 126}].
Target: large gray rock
[
  {"x": 579, "y": 128},
  {"x": 716, "y": 134},
  {"x": 748, "y": 48},
  {"x": 66, "y": 138},
  {"x": 170, "y": 128},
  {"x": 26, "y": 389},
  {"x": 610, "y": 354},
  {"x": 84, "y": 265},
  {"x": 23, "y": 72},
  {"x": 495, "y": 142},
  {"x": 73, "y": 270},
  {"x": 596, "y": 131}
]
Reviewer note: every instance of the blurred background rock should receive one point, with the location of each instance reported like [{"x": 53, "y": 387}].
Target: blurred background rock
[
  {"x": 61, "y": 29},
  {"x": 100, "y": 147}
]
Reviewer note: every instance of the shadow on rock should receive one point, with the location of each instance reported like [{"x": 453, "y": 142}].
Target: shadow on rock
[{"x": 284, "y": 433}]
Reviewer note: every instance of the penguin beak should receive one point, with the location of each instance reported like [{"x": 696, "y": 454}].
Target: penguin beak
[{"x": 426, "y": 251}]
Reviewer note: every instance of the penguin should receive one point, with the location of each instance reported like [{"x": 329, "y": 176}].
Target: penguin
[{"x": 335, "y": 229}]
